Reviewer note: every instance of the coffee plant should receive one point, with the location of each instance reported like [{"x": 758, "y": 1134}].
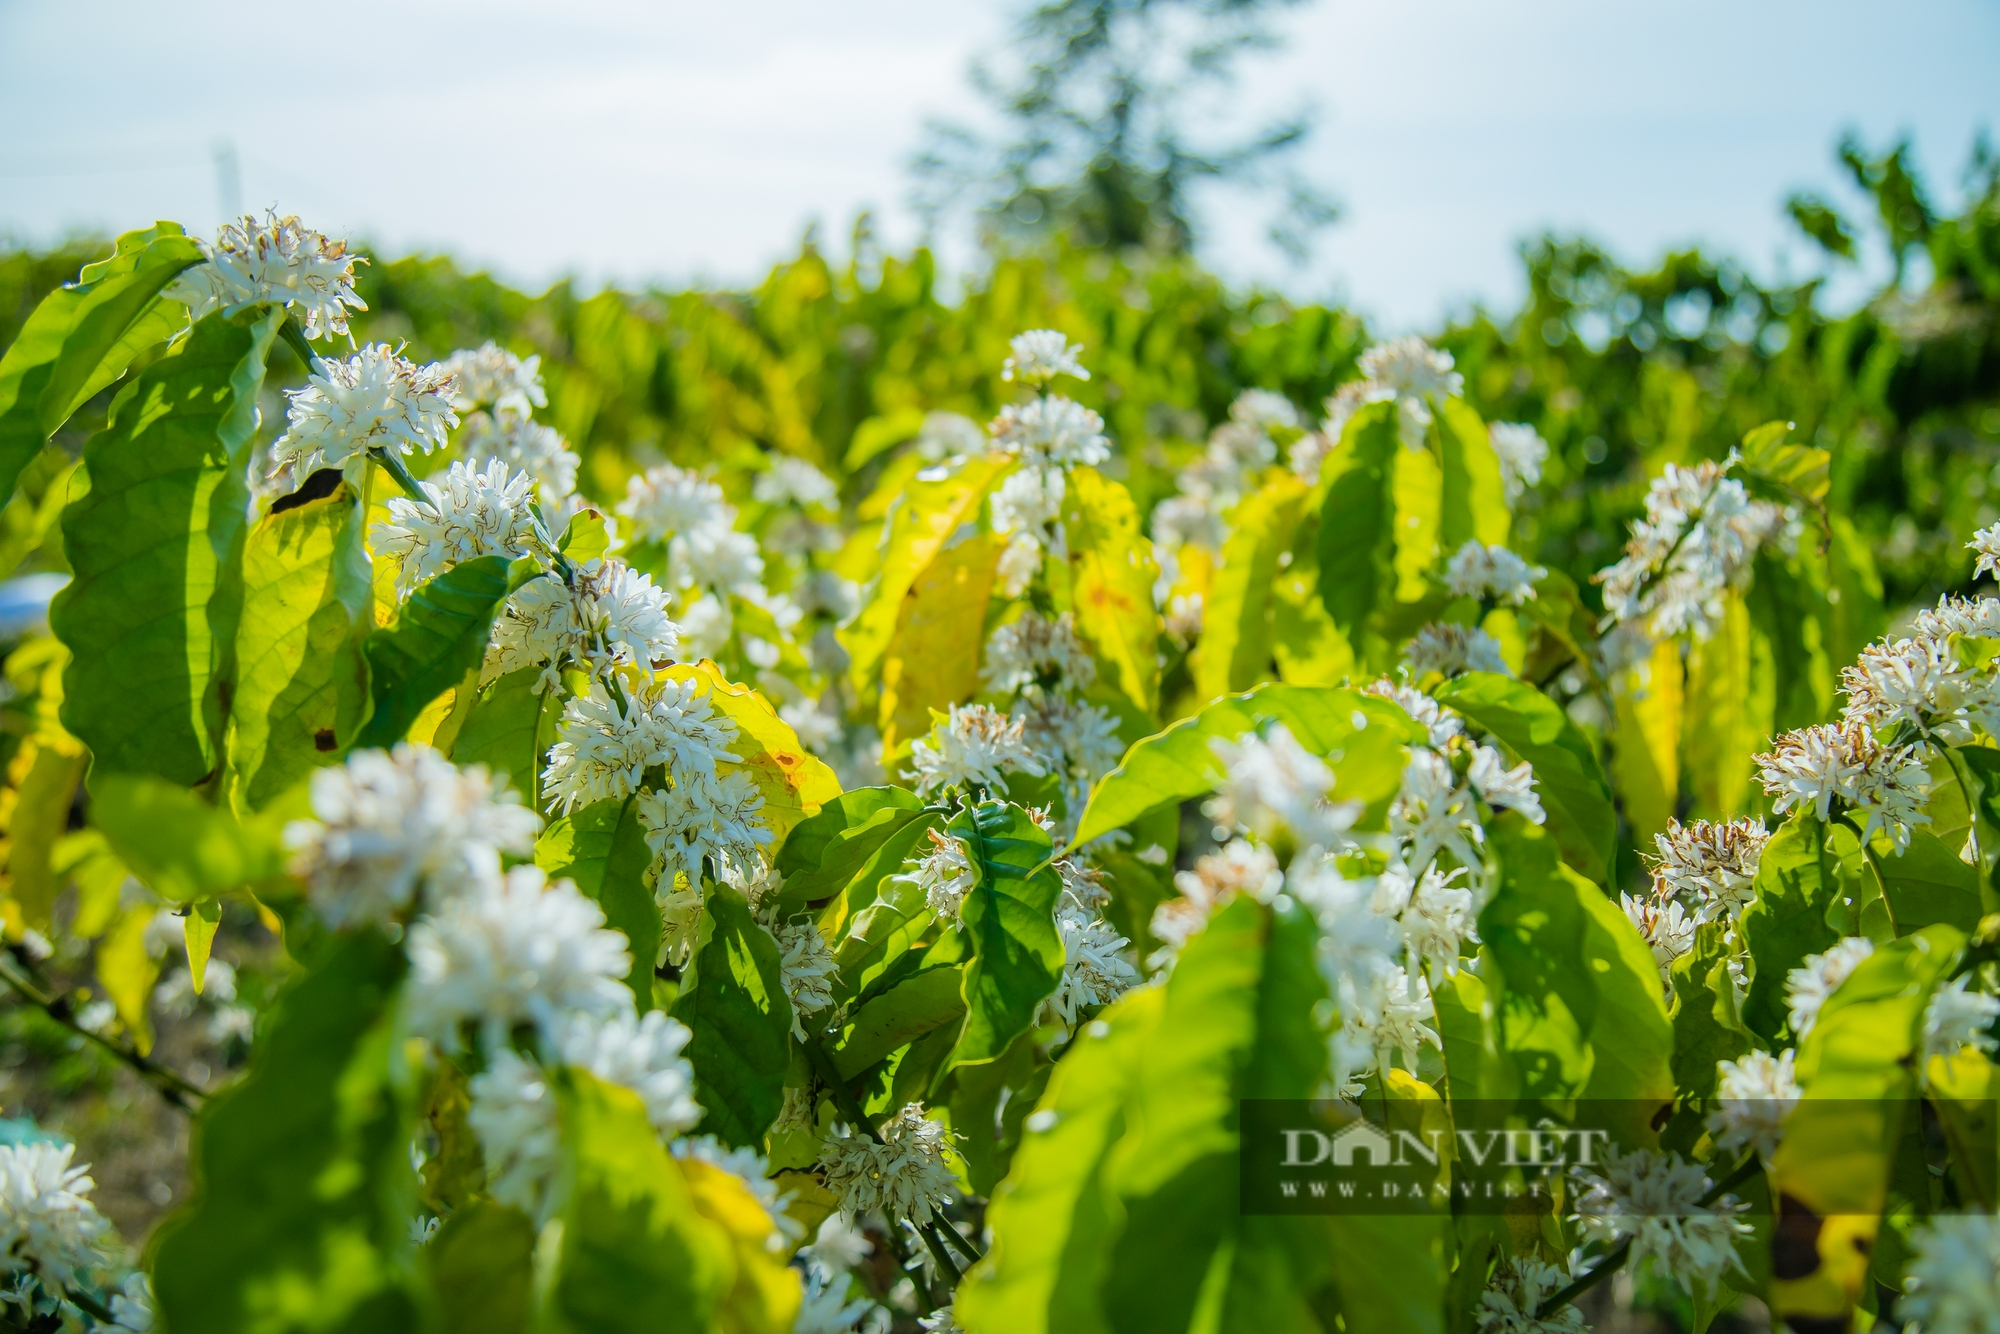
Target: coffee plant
[{"x": 939, "y": 859}]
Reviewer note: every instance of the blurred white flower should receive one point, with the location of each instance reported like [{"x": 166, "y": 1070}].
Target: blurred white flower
[
  {"x": 1027, "y": 500},
  {"x": 1416, "y": 376},
  {"x": 513, "y": 1113},
  {"x": 949, "y": 435},
  {"x": 1188, "y": 521},
  {"x": 1449, "y": 649},
  {"x": 47, "y": 1225},
  {"x": 641, "y": 1053},
  {"x": 1441, "y": 723},
  {"x": 715, "y": 558},
  {"x": 793, "y": 481},
  {"x": 1952, "y": 1285},
  {"x": 1957, "y": 1018},
  {"x": 1040, "y": 355},
  {"x": 1240, "y": 867},
  {"x": 387, "y": 820},
  {"x": 1476, "y": 571},
  {"x": 1271, "y": 783},
  {"x": 1052, "y": 431},
  {"x": 491, "y": 377},
  {"x": 1522, "y": 452},
  {"x": 1754, "y": 1096},
  {"x": 1696, "y": 542},
  {"x": 1025, "y": 651},
  {"x": 1504, "y": 788},
  {"x": 540, "y": 451},
  {"x": 666, "y": 500},
  {"x": 1809, "y": 986}
]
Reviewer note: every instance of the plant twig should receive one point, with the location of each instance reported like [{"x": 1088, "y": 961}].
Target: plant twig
[
  {"x": 15, "y": 971},
  {"x": 392, "y": 463}
]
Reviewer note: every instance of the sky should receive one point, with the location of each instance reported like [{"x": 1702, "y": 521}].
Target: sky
[{"x": 658, "y": 140}]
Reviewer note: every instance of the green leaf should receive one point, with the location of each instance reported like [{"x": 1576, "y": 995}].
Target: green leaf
[
  {"x": 183, "y": 848},
  {"x": 1928, "y": 884},
  {"x": 303, "y": 687},
  {"x": 83, "y": 336},
  {"x": 1721, "y": 728},
  {"x": 636, "y": 1256},
  {"x": 198, "y": 929},
  {"x": 440, "y": 636},
  {"x": 1568, "y": 778},
  {"x": 824, "y": 852},
  {"x": 153, "y": 531},
  {"x": 586, "y": 537},
  {"x": 481, "y": 1268},
  {"x": 1113, "y": 588},
  {"x": 1052, "y": 1219},
  {"x": 1705, "y": 1030},
  {"x": 1475, "y": 499},
  {"x": 1857, "y": 1070},
  {"x": 602, "y": 847},
  {"x": 899, "y": 1016},
  {"x": 881, "y": 917},
  {"x": 877, "y": 434},
  {"x": 733, "y": 998},
  {"x": 1009, "y": 918},
  {"x": 302, "y": 1169},
  {"x": 1799, "y": 469},
  {"x": 506, "y": 727},
  {"x": 1367, "y": 733},
  {"x": 1237, "y": 617},
  {"x": 1787, "y": 624},
  {"x": 1786, "y": 918},
  {"x": 1356, "y": 537},
  {"x": 925, "y": 516}
]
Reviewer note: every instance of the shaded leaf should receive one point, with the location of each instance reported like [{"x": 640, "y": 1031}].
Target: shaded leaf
[
  {"x": 1237, "y": 631},
  {"x": 1356, "y": 538},
  {"x": 602, "y": 847},
  {"x": 733, "y": 999},
  {"x": 824, "y": 852},
  {"x": 438, "y": 638},
  {"x": 481, "y": 1268},
  {"x": 1009, "y": 921},
  {"x": 182, "y": 847},
  {"x": 507, "y": 730}
]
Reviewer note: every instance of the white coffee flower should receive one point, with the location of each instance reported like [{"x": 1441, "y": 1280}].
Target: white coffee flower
[
  {"x": 1441, "y": 723},
  {"x": 1416, "y": 376},
  {"x": 1755, "y": 1095},
  {"x": 387, "y": 820},
  {"x": 543, "y": 626},
  {"x": 1052, "y": 432},
  {"x": 1811, "y": 767},
  {"x": 1094, "y": 972},
  {"x": 809, "y": 970},
  {"x": 491, "y": 377},
  {"x": 838, "y": 1245},
  {"x": 1438, "y": 917},
  {"x": 1714, "y": 864},
  {"x": 1450, "y": 649},
  {"x": 1978, "y": 618},
  {"x": 1271, "y": 782},
  {"x": 715, "y": 558},
  {"x": 47, "y": 1225},
  {"x": 1666, "y": 928},
  {"x": 1432, "y": 813},
  {"x": 467, "y": 514},
  {"x": 973, "y": 745},
  {"x": 1504, "y": 788},
  {"x": 824, "y": 1307},
  {"x": 706, "y": 624},
  {"x": 625, "y": 614},
  {"x": 714, "y": 816},
  {"x": 1522, "y": 452},
  {"x": 603, "y": 748},
  {"x": 517, "y": 950},
  {"x": 1696, "y": 542},
  {"x": 666, "y": 500},
  {"x": 1239, "y": 868},
  {"x": 1654, "y": 1200},
  {"x": 1019, "y": 563},
  {"x": 1265, "y": 410},
  {"x": 1515, "y": 1294},
  {"x": 514, "y": 1115},
  {"x": 1809, "y": 986},
  {"x": 1028, "y": 500},
  {"x": 1341, "y": 405},
  {"x": 1308, "y": 454},
  {"x": 1180, "y": 521},
  {"x": 641, "y": 1053},
  {"x": 132, "y": 1306},
  {"x": 944, "y": 873},
  {"x": 537, "y": 450},
  {"x": 1952, "y": 1285},
  {"x": 1957, "y": 1018},
  {"x": 1391, "y": 1021},
  {"x": 1986, "y": 544},
  {"x": 1921, "y": 682},
  {"x": 944, "y": 1320},
  {"x": 949, "y": 435},
  {"x": 371, "y": 400},
  {"x": 1476, "y": 571},
  {"x": 1029, "y": 649},
  {"x": 793, "y": 481},
  {"x": 1040, "y": 355},
  {"x": 276, "y": 262},
  {"x": 905, "y": 1176}
]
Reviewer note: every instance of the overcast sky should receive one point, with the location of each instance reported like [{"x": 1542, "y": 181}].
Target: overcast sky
[{"x": 628, "y": 140}]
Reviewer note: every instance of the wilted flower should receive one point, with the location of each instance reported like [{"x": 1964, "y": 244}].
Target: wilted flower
[
  {"x": 1666, "y": 928},
  {"x": 1978, "y": 618},
  {"x": 276, "y": 262},
  {"x": 1514, "y": 1296},
  {"x": 1714, "y": 863},
  {"x": 1813, "y": 766},
  {"x": 371, "y": 400},
  {"x": 1921, "y": 682}
]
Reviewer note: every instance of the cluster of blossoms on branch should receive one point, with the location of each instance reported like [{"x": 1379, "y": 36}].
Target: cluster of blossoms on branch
[
  {"x": 1050, "y": 435},
  {"x": 1695, "y": 544}
]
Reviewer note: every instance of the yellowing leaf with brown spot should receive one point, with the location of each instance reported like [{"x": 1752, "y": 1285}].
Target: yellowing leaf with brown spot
[{"x": 795, "y": 784}]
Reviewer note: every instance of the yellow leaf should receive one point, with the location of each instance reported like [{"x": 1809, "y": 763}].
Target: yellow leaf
[
  {"x": 1237, "y": 630},
  {"x": 40, "y": 818},
  {"x": 795, "y": 784},
  {"x": 765, "y": 1296},
  {"x": 1113, "y": 591},
  {"x": 198, "y": 931},
  {"x": 1418, "y": 487},
  {"x": 933, "y": 660},
  {"x": 1645, "y": 761},
  {"x": 127, "y": 972},
  {"x": 1717, "y": 733}
]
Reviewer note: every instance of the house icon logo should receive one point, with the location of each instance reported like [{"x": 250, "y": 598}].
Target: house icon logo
[{"x": 1369, "y": 1141}]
